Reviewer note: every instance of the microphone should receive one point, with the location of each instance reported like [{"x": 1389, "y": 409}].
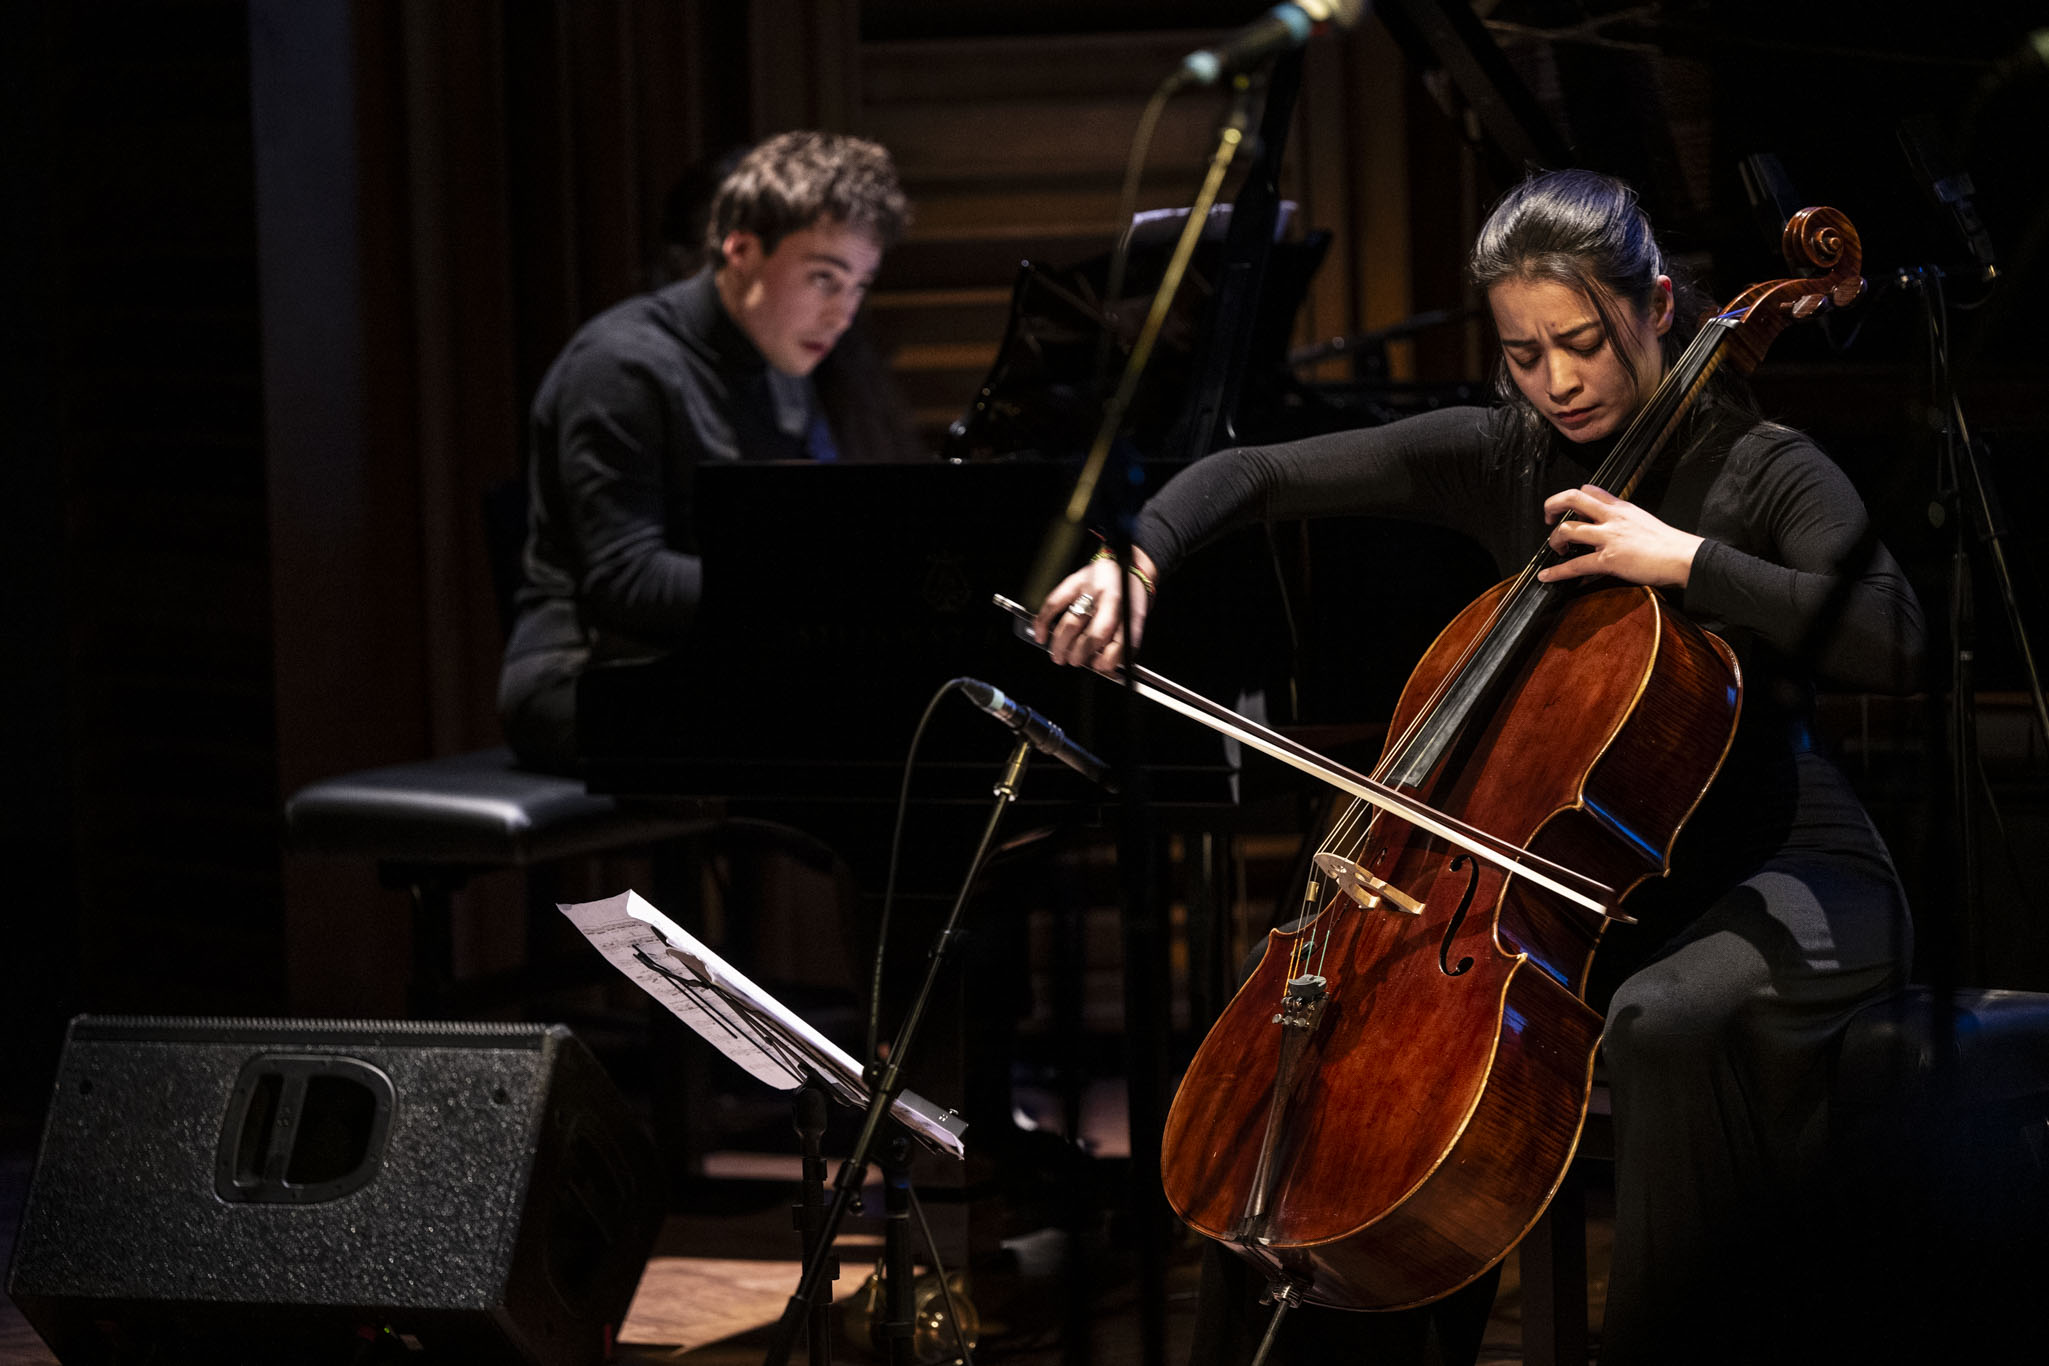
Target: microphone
[
  {"x": 1042, "y": 734},
  {"x": 1279, "y": 29},
  {"x": 1949, "y": 186},
  {"x": 1770, "y": 192}
]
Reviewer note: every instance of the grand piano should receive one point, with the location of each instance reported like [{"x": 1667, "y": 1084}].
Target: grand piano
[{"x": 838, "y": 598}]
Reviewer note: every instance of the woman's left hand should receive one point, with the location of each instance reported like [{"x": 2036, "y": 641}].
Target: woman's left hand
[{"x": 1620, "y": 539}]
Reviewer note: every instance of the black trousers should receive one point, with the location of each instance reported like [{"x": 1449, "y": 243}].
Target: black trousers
[
  {"x": 537, "y": 710},
  {"x": 1727, "y": 1234}
]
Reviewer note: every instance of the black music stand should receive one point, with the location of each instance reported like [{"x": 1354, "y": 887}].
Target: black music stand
[{"x": 777, "y": 1047}]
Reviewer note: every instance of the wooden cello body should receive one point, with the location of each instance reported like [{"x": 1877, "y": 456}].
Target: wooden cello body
[
  {"x": 1391, "y": 1099},
  {"x": 1438, "y": 1096}
]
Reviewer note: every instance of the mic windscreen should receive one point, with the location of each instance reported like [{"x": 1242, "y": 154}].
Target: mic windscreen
[
  {"x": 987, "y": 696},
  {"x": 1343, "y": 13}
]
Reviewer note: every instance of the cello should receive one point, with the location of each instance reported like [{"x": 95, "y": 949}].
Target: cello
[{"x": 1390, "y": 1100}]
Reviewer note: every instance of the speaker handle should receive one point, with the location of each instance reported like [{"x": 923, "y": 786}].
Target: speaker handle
[{"x": 302, "y": 1128}]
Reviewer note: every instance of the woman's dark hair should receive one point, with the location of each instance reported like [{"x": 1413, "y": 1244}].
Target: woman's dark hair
[
  {"x": 790, "y": 181},
  {"x": 1587, "y": 232}
]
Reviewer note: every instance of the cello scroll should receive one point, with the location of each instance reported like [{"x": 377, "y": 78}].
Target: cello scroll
[{"x": 1820, "y": 239}]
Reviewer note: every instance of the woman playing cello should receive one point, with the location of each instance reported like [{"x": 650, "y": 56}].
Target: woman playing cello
[{"x": 1782, "y": 915}]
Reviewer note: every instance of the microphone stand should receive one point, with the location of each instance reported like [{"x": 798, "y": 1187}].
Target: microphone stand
[
  {"x": 1967, "y": 497},
  {"x": 808, "y": 1117},
  {"x": 1143, "y": 923},
  {"x": 1064, "y": 536},
  {"x": 886, "y": 1080}
]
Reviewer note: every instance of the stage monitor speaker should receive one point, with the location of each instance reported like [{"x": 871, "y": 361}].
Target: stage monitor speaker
[{"x": 307, "y": 1191}]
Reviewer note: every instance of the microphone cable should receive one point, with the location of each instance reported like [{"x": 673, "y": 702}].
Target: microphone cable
[{"x": 896, "y": 839}]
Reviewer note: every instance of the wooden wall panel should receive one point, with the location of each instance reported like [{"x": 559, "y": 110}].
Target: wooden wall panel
[{"x": 1014, "y": 148}]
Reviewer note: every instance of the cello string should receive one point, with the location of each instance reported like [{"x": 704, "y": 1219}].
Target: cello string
[
  {"x": 1625, "y": 463},
  {"x": 1652, "y": 425},
  {"x": 1323, "y": 922},
  {"x": 1341, "y": 905},
  {"x": 1318, "y": 919},
  {"x": 1313, "y": 916}
]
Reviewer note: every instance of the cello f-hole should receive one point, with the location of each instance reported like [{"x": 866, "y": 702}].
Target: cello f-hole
[{"x": 1458, "y": 917}]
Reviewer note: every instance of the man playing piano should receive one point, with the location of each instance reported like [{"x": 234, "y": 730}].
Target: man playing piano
[{"x": 737, "y": 362}]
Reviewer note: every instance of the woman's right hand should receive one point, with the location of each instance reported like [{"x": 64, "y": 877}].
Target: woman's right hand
[{"x": 1081, "y": 621}]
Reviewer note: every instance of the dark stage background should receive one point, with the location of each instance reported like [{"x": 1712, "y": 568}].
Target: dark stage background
[{"x": 279, "y": 276}]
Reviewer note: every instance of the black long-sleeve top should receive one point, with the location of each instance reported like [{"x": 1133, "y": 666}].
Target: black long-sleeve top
[
  {"x": 642, "y": 395},
  {"x": 1789, "y": 574}
]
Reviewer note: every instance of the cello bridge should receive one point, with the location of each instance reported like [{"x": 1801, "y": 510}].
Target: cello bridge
[{"x": 1364, "y": 888}]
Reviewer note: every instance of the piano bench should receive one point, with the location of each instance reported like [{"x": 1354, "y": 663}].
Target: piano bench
[
  {"x": 1939, "y": 1168},
  {"x": 433, "y": 824}
]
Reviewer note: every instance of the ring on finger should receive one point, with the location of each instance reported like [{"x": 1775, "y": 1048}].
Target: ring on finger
[{"x": 1083, "y": 606}]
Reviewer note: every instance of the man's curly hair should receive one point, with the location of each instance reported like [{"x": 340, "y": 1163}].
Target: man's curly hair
[{"x": 792, "y": 180}]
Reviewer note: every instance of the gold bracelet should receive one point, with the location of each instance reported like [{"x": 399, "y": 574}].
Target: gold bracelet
[{"x": 1145, "y": 580}]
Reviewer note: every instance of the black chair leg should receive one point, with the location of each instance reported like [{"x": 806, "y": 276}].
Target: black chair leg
[
  {"x": 433, "y": 895},
  {"x": 1554, "y": 1280}
]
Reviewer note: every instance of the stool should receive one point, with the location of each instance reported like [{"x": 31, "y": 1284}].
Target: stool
[
  {"x": 431, "y": 825},
  {"x": 1939, "y": 1135}
]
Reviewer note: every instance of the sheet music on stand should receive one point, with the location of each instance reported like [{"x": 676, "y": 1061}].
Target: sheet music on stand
[{"x": 740, "y": 1019}]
